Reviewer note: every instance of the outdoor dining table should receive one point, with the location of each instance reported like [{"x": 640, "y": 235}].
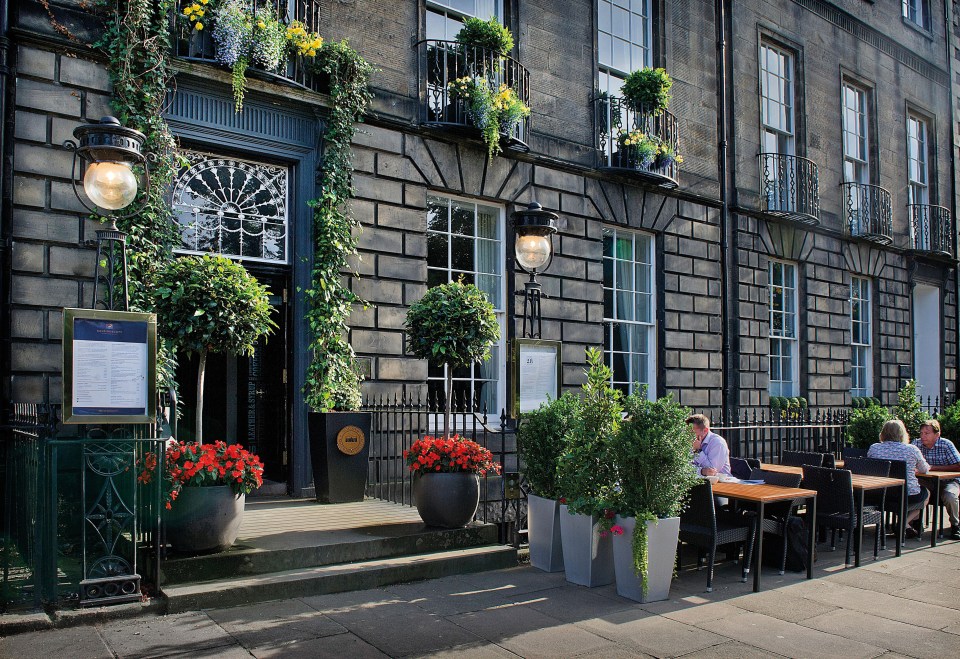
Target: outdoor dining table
[
  {"x": 863, "y": 484},
  {"x": 938, "y": 477},
  {"x": 760, "y": 495}
]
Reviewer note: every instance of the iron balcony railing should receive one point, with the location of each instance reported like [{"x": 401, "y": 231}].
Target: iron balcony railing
[
  {"x": 868, "y": 212},
  {"x": 931, "y": 229},
  {"x": 443, "y": 62},
  {"x": 790, "y": 187},
  {"x": 199, "y": 46},
  {"x": 618, "y": 121}
]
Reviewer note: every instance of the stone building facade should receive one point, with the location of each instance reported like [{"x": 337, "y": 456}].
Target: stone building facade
[{"x": 715, "y": 252}]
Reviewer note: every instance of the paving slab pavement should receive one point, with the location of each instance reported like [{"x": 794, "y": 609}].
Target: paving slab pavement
[{"x": 894, "y": 607}]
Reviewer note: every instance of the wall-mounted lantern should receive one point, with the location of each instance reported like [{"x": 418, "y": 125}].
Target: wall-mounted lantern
[{"x": 534, "y": 228}]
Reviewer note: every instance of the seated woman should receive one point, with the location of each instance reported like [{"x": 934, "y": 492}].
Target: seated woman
[{"x": 895, "y": 444}]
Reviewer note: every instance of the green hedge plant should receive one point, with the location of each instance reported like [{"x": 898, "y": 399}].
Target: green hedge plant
[
  {"x": 541, "y": 437},
  {"x": 865, "y": 424},
  {"x": 648, "y": 90},
  {"x": 949, "y": 420},
  {"x": 211, "y": 304},
  {"x": 910, "y": 410},
  {"x": 490, "y": 35},
  {"x": 452, "y": 324}
]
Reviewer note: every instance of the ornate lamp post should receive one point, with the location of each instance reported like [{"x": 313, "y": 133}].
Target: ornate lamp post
[
  {"x": 109, "y": 154},
  {"x": 534, "y": 229}
]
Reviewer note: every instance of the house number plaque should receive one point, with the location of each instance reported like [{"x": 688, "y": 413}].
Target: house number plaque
[{"x": 350, "y": 440}]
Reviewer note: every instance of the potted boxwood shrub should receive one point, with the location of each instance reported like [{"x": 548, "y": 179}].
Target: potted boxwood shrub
[
  {"x": 586, "y": 478},
  {"x": 452, "y": 324},
  {"x": 647, "y": 90},
  {"x": 210, "y": 304},
  {"x": 540, "y": 441},
  {"x": 651, "y": 452},
  {"x": 489, "y": 35}
]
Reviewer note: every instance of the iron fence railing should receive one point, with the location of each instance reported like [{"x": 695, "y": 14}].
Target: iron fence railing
[
  {"x": 199, "y": 46},
  {"x": 443, "y": 62},
  {"x": 790, "y": 187},
  {"x": 398, "y": 422},
  {"x": 765, "y": 434},
  {"x": 78, "y": 525},
  {"x": 868, "y": 212},
  {"x": 931, "y": 229},
  {"x": 615, "y": 119}
]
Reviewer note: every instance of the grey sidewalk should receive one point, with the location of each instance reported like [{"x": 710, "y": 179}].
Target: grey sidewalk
[{"x": 893, "y": 607}]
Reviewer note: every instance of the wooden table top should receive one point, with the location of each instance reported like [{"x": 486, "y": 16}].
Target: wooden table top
[
  {"x": 940, "y": 474},
  {"x": 860, "y": 482},
  {"x": 758, "y": 492}
]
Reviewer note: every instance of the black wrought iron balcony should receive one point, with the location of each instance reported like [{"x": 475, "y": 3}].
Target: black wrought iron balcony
[
  {"x": 931, "y": 229},
  {"x": 868, "y": 212},
  {"x": 790, "y": 187},
  {"x": 199, "y": 46},
  {"x": 638, "y": 141},
  {"x": 445, "y": 62}
]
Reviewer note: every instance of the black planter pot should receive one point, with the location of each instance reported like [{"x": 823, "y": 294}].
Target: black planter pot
[
  {"x": 339, "y": 448},
  {"x": 447, "y": 500}
]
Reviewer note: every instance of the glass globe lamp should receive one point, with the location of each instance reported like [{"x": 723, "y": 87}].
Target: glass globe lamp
[{"x": 110, "y": 185}]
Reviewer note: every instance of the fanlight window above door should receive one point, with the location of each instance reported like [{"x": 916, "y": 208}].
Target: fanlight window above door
[{"x": 233, "y": 207}]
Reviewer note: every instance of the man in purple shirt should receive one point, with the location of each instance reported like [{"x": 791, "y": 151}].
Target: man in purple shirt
[{"x": 711, "y": 456}]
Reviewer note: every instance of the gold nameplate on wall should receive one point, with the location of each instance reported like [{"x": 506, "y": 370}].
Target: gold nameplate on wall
[{"x": 350, "y": 440}]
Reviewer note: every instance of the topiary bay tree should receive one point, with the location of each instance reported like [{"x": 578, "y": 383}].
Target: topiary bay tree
[
  {"x": 210, "y": 304},
  {"x": 452, "y": 324}
]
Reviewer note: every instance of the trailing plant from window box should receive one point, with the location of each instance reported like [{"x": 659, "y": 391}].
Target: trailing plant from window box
[
  {"x": 490, "y": 35},
  {"x": 211, "y": 304},
  {"x": 452, "y": 324},
  {"x": 333, "y": 378},
  {"x": 648, "y": 90},
  {"x": 639, "y": 148},
  {"x": 495, "y": 113}
]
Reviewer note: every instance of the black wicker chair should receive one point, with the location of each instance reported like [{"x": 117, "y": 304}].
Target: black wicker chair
[
  {"x": 777, "y": 514},
  {"x": 801, "y": 459},
  {"x": 741, "y": 467},
  {"x": 848, "y": 452},
  {"x": 898, "y": 469},
  {"x": 835, "y": 505},
  {"x": 703, "y": 527},
  {"x": 875, "y": 499},
  {"x": 829, "y": 461}
]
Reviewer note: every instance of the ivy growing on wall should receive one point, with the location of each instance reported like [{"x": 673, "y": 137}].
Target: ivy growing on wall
[{"x": 333, "y": 379}]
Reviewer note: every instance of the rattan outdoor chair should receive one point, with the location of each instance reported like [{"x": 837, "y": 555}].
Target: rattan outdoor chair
[
  {"x": 741, "y": 467},
  {"x": 848, "y": 452},
  {"x": 835, "y": 506},
  {"x": 703, "y": 527},
  {"x": 801, "y": 459},
  {"x": 777, "y": 514},
  {"x": 874, "y": 499}
]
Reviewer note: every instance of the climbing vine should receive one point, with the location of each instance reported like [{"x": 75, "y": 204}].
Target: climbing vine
[
  {"x": 136, "y": 41},
  {"x": 333, "y": 379}
]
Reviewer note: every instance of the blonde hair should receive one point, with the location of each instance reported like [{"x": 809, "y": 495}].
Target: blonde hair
[{"x": 894, "y": 431}]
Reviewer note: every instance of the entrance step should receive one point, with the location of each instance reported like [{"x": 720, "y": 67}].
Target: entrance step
[{"x": 336, "y": 578}]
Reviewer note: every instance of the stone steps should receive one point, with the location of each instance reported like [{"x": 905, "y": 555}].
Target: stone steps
[{"x": 335, "y": 578}]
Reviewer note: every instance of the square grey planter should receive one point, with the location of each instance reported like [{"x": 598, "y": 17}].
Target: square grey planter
[
  {"x": 587, "y": 558},
  {"x": 543, "y": 531},
  {"x": 662, "y": 538}
]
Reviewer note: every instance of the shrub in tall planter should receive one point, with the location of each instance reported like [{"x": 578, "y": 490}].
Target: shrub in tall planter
[
  {"x": 910, "y": 409},
  {"x": 490, "y": 35},
  {"x": 211, "y": 304},
  {"x": 651, "y": 452},
  {"x": 541, "y": 435},
  {"x": 865, "y": 424},
  {"x": 949, "y": 420},
  {"x": 647, "y": 90}
]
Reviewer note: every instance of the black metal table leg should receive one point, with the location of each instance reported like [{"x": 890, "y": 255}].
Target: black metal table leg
[
  {"x": 902, "y": 518},
  {"x": 858, "y": 532},
  {"x": 936, "y": 512},
  {"x": 759, "y": 550},
  {"x": 811, "y": 550}
]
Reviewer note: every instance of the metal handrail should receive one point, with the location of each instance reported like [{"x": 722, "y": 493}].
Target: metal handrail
[
  {"x": 790, "y": 186},
  {"x": 615, "y": 118},
  {"x": 931, "y": 229},
  {"x": 868, "y": 212},
  {"x": 199, "y": 46},
  {"x": 442, "y": 62}
]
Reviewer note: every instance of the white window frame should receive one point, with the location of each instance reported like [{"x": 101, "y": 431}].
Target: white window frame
[
  {"x": 639, "y": 40},
  {"x": 612, "y": 323},
  {"x": 856, "y": 129},
  {"x": 498, "y": 357},
  {"x": 861, "y": 358},
  {"x": 918, "y": 165},
  {"x": 786, "y": 337},
  {"x": 917, "y": 12},
  {"x": 778, "y": 92},
  {"x": 450, "y": 13}
]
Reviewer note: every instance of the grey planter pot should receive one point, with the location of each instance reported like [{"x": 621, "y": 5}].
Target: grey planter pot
[
  {"x": 447, "y": 500},
  {"x": 662, "y": 538},
  {"x": 587, "y": 558},
  {"x": 543, "y": 531},
  {"x": 204, "y": 519}
]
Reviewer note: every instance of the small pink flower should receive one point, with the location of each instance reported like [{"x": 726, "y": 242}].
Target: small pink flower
[
  {"x": 603, "y": 534},
  {"x": 616, "y": 529}
]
